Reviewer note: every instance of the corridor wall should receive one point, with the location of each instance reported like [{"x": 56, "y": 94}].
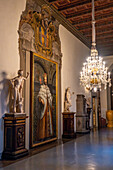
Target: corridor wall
[
  {"x": 10, "y": 12},
  {"x": 74, "y": 54}
]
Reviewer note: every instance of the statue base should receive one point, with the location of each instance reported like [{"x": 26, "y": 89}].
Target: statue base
[
  {"x": 68, "y": 125},
  {"x": 82, "y": 123},
  {"x": 14, "y": 136}
]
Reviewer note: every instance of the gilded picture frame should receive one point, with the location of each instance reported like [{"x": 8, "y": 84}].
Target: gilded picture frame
[{"x": 44, "y": 100}]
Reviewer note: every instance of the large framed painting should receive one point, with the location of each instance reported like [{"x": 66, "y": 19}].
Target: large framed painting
[{"x": 43, "y": 119}]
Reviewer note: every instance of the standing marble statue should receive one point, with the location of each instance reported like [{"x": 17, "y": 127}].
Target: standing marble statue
[
  {"x": 67, "y": 102},
  {"x": 17, "y": 83}
]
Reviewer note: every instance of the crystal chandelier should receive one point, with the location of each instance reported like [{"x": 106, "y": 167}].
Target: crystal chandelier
[{"x": 94, "y": 73}]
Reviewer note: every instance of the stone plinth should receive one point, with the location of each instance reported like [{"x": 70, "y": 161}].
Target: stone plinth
[
  {"x": 14, "y": 136},
  {"x": 68, "y": 125},
  {"x": 82, "y": 118}
]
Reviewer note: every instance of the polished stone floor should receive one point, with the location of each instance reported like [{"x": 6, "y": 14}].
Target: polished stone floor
[{"x": 92, "y": 151}]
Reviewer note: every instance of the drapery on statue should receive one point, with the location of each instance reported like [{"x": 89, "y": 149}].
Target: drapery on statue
[
  {"x": 17, "y": 83},
  {"x": 67, "y": 102}
]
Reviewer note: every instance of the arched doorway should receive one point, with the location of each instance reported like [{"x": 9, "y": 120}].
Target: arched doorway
[{"x": 96, "y": 110}]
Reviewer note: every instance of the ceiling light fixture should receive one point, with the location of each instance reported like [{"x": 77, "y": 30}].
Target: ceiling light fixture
[{"x": 94, "y": 73}]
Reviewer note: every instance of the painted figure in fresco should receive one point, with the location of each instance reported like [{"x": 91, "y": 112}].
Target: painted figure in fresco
[
  {"x": 17, "y": 83},
  {"x": 45, "y": 126},
  {"x": 67, "y": 102}
]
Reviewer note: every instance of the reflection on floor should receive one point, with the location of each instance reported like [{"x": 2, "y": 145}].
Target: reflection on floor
[{"x": 93, "y": 151}]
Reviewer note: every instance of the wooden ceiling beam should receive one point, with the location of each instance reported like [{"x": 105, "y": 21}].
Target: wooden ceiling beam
[
  {"x": 98, "y": 39},
  {"x": 104, "y": 37},
  {"x": 98, "y": 29},
  {"x": 88, "y": 11},
  {"x": 74, "y": 5},
  {"x": 110, "y": 32},
  {"x": 105, "y": 46},
  {"x": 106, "y": 53},
  {"x": 98, "y": 19},
  {"x": 89, "y": 34},
  {"x": 100, "y": 44},
  {"x": 102, "y": 40},
  {"x": 106, "y": 49},
  {"x": 105, "y": 40},
  {"x": 53, "y": 1},
  {"x": 98, "y": 26}
]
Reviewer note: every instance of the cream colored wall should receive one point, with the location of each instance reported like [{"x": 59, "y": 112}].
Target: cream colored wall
[
  {"x": 74, "y": 54},
  {"x": 103, "y": 95},
  {"x": 10, "y": 11}
]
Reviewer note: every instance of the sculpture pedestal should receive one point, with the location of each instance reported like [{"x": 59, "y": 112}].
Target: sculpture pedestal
[
  {"x": 14, "y": 136},
  {"x": 82, "y": 118},
  {"x": 68, "y": 125},
  {"x": 82, "y": 123}
]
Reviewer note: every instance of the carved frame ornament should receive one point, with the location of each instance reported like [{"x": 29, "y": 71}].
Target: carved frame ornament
[
  {"x": 45, "y": 31},
  {"x": 39, "y": 34}
]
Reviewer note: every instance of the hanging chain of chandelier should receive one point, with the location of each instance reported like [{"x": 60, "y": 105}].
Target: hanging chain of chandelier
[{"x": 94, "y": 73}]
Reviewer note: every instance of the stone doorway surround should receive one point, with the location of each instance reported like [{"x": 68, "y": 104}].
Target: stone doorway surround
[{"x": 26, "y": 46}]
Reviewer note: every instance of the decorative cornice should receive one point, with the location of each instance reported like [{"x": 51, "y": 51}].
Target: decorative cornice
[{"x": 62, "y": 20}]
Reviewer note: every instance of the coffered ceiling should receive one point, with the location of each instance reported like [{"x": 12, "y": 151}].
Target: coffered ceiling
[{"x": 78, "y": 13}]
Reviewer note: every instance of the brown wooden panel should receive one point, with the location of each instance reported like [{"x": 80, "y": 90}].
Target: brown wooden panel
[{"x": 89, "y": 10}]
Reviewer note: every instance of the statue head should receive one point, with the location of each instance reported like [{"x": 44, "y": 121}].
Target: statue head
[
  {"x": 20, "y": 72},
  {"x": 68, "y": 89}
]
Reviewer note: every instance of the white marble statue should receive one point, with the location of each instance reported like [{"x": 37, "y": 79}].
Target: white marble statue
[
  {"x": 67, "y": 102},
  {"x": 17, "y": 83}
]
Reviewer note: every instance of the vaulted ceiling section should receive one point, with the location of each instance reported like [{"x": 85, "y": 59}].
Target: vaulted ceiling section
[{"x": 78, "y": 13}]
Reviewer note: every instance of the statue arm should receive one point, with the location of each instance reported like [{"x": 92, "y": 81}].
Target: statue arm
[
  {"x": 25, "y": 78},
  {"x": 13, "y": 79}
]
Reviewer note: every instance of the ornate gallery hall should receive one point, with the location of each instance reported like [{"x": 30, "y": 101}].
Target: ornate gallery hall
[{"x": 56, "y": 84}]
